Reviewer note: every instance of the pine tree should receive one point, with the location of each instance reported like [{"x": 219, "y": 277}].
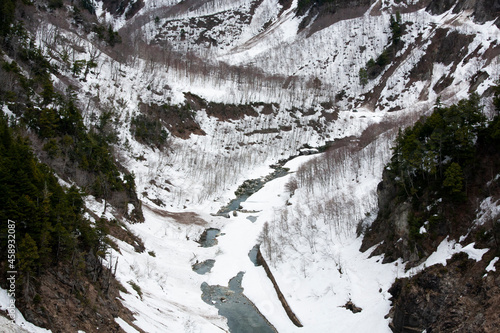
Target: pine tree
[
  {"x": 7, "y": 11},
  {"x": 27, "y": 256},
  {"x": 453, "y": 181}
]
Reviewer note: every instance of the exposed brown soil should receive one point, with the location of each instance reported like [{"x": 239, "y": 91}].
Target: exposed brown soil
[
  {"x": 446, "y": 47},
  {"x": 286, "y": 4},
  {"x": 492, "y": 53},
  {"x": 178, "y": 119},
  {"x": 122, "y": 233},
  {"x": 438, "y": 7},
  {"x": 328, "y": 13},
  {"x": 182, "y": 217},
  {"x": 352, "y": 307},
  {"x": 68, "y": 303},
  {"x": 444, "y": 82},
  {"x": 483, "y": 10},
  {"x": 372, "y": 96},
  {"x": 120, "y": 7},
  {"x": 263, "y": 131},
  {"x": 225, "y": 112},
  {"x": 329, "y": 17}
]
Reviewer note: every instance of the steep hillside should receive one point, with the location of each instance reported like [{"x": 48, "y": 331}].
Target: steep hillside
[
  {"x": 441, "y": 186},
  {"x": 156, "y": 114}
]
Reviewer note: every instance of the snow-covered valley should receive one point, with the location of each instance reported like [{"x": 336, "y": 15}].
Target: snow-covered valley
[
  {"x": 318, "y": 266},
  {"x": 295, "y": 98}
]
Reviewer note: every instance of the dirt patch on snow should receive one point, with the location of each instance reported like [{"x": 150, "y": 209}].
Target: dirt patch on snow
[
  {"x": 179, "y": 120},
  {"x": 186, "y": 218},
  {"x": 446, "y": 47}
]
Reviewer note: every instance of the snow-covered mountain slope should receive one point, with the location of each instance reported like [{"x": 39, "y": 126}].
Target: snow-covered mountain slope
[
  {"x": 322, "y": 67},
  {"x": 289, "y": 87},
  {"x": 285, "y": 66},
  {"x": 271, "y": 41}
]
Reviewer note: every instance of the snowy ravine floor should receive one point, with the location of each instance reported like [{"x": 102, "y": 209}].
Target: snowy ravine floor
[
  {"x": 171, "y": 291},
  {"x": 316, "y": 290},
  {"x": 175, "y": 301},
  {"x": 171, "y": 294},
  {"x": 316, "y": 293}
]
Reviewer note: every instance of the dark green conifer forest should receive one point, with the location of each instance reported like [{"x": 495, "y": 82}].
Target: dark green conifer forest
[
  {"x": 43, "y": 142},
  {"x": 440, "y": 163}
]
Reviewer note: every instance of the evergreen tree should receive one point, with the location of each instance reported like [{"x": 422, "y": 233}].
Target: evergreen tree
[
  {"x": 27, "y": 256},
  {"x": 395, "y": 25},
  {"x": 453, "y": 180},
  {"x": 7, "y": 11},
  {"x": 446, "y": 140}
]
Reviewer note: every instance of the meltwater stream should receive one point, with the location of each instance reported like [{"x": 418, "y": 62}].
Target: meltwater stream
[
  {"x": 242, "y": 315},
  {"x": 250, "y": 187}
]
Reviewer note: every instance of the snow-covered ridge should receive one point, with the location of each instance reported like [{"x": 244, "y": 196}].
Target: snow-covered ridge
[{"x": 333, "y": 55}]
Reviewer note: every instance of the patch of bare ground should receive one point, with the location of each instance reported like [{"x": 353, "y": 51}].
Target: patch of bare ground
[
  {"x": 322, "y": 15},
  {"x": 263, "y": 131},
  {"x": 447, "y": 47},
  {"x": 483, "y": 10},
  {"x": 119, "y": 231},
  {"x": 477, "y": 79},
  {"x": 187, "y": 218},
  {"x": 226, "y": 112},
  {"x": 127, "y": 7},
  {"x": 178, "y": 119},
  {"x": 372, "y": 97},
  {"x": 330, "y": 116},
  {"x": 66, "y": 302},
  {"x": 492, "y": 53},
  {"x": 352, "y": 307},
  {"x": 286, "y": 4}
]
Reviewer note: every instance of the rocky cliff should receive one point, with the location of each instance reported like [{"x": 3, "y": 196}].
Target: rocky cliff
[{"x": 416, "y": 221}]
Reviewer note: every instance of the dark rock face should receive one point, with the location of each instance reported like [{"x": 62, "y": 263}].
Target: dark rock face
[
  {"x": 180, "y": 121},
  {"x": 330, "y": 5},
  {"x": 461, "y": 296},
  {"x": 487, "y": 10},
  {"x": 484, "y": 10},
  {"x": 390, "y": 229},
  {"x": 446, "y": 48},
  {"x": 327, "y": 12},
  {"x": 455, "y": 298},
  {"x": 437, "y": 7},
  {"x": 120, "y": 7}
]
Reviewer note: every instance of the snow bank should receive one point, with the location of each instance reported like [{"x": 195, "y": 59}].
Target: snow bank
[{"x": 20, "y": 325}]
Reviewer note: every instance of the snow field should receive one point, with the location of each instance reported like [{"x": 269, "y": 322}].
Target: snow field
[{"x": 171, "y": 294}]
